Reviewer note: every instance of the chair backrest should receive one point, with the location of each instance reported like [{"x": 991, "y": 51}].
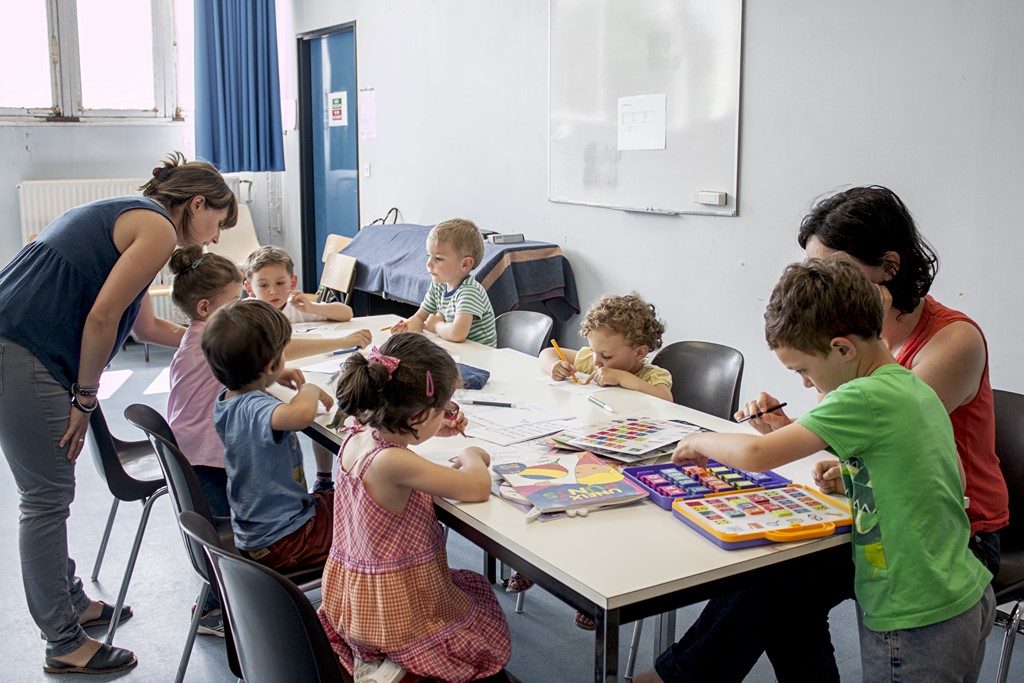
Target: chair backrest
[
  {"x": 235, "y": 244},
  {"x": 339, "y": 274},
  {"x": 278, "y": 636},
  {"x": 525, "y": 331},
  {"x": 104, "y": 452},
  {"x": 182, "y": 483},
  {"x": 705, "y": 376},
  {"x": 1009, "y": 409},
  {"x": 333, "y": 244}
]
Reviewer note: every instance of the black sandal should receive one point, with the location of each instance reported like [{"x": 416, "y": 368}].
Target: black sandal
[
  {"x": 107, "y": 613},
  {"x": 107, "y": 660}
]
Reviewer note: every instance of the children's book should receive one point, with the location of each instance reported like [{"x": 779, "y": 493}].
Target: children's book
[
  {"x": 631, "y": 439},
  {"x": 570, "y": 481}
]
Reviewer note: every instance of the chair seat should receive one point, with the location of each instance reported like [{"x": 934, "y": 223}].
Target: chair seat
[
  {"x": 139, "y": 461},
  {"x": 300, "y": 576},
  {"x": 1009, "y": 585}
]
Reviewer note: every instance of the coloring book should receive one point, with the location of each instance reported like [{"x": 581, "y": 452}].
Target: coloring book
[{"x": 570, "y": 481}]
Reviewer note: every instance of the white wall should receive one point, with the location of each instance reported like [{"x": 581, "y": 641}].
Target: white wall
[{"x": 923, "y": 96}]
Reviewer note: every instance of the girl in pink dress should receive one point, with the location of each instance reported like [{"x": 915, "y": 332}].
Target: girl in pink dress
[{"x": 387, "y": 587}]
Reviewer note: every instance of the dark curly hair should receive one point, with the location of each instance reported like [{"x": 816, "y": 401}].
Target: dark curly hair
[
  {"x": 367, "y": 393},
  {"x": 628, "y": 315},
  {"x": 242, "y": 338},
  {"x": 867, "y": 222}
]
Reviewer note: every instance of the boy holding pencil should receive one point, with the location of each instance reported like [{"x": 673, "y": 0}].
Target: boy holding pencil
[{"x": 925, "y": 603}]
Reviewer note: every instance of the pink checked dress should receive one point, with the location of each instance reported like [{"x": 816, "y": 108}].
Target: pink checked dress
[{"x": 388, "y": 590}]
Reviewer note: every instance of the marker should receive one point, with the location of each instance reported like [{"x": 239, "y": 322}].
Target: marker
[
  {"x": 387, "y": 327},
  {"x": 562, "y": 357},
  {"x": 496, "y": 404},
  {"x": 342, "y": 352},
  {"x": 763, "y": 412},
  {"x": 600, "y": 404}
]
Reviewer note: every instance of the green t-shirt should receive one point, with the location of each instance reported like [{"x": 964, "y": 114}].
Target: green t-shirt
[
  {"x": 913, "y": 567},
  {"x": 469, "y": 297}
]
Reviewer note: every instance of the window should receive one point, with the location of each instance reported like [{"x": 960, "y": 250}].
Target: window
[{"x": 79, "y": 59}]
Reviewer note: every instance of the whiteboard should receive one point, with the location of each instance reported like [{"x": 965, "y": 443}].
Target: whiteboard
[{"x": 603, "y": 50}]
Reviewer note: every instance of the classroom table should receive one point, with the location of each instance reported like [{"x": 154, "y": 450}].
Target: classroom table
[{"x": 619, "y": 564}]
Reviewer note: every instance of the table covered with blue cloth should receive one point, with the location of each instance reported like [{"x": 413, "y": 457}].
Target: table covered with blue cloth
[{"x": 391, "y": 263}]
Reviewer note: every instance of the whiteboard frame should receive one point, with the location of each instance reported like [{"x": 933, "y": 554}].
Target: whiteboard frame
[{"x": 731, "y": 207}]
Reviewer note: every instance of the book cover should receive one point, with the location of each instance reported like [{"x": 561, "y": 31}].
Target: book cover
[{"x": 570, "y": 481}]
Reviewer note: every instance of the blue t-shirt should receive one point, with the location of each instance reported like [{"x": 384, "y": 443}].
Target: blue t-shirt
[
  {"x": 266, "y": 485},
  {"x": 49, "y": 287}
]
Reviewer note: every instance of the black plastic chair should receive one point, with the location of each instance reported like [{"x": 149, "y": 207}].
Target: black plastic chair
[
  {"x": 278, "y": 636},
  {"x": 187, "y": 496},
  {"x": 1009, "y": 584},
  {"x": 705, "y": 376},
  {"x": 525, "y": 331},
  {"x": 131, "y": 472}
]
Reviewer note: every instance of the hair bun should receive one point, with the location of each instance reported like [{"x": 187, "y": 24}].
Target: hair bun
[{"x": 183, "y": 258}]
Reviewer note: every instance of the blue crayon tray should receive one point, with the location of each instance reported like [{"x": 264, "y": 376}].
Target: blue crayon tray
[{"x": 692, "y": 481}]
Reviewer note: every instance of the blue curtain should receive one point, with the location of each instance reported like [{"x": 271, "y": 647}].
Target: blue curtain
[{"x": 238, "y": 100}]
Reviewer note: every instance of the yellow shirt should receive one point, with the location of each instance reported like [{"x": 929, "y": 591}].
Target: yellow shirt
[{"x": 651, "y": 374}]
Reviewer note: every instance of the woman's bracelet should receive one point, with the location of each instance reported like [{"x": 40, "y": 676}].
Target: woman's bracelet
[
  {"x": 87, "y": 391},
  {"x": 81, "y": 407}
]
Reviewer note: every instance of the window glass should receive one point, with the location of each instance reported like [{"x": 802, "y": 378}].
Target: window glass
[
  {"x": 25, "y": 54},
  {"x": 116, "y": 64}
]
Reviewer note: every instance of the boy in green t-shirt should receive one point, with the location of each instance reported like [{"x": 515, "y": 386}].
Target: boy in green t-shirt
[{"x": 925, "y": 602}]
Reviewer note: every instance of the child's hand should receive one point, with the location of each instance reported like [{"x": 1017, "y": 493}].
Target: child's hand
[
  {"x": 562, "y": 370},
  {"x": 291, "y": 378},
  {"x": 297, "y": 300},
  {"x": 686, "y": 451},
  {"x": 468, "y": 455},
  {"x": 453, "y": 427},
  {"x": 326, "y": 400},
  {"x": 360, "y": 338},
  {"x": 606, "y": 377},
  {"x": 768, "y": 422},
  {"x": 433, "y": 320},
  {"x": 413, "y": 324},
  {"x": 828, "y": 476}
]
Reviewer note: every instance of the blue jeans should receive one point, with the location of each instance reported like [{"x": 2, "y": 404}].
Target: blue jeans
[
  {"x": 33, "y": 417},
  {"x": 937, "y": 652},
  {"x": 214, "y": 483}
]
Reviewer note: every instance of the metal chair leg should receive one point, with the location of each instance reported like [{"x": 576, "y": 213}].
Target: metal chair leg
[
  {"x": 106, "y": 537},
  {"x": 193, "y": 629},
  {"x": 519, "y": 602},
  {"x": 634, "y": 645},
  {"x": 1013, "y": 623},
  {"x": 145, "y": 351},
  {"x": 116, "y": 618}
]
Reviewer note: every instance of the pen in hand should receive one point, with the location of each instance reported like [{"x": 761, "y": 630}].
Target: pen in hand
[{"x": 762, "y": 413}]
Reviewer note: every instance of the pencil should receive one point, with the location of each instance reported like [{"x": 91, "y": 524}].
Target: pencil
[
  {"x": 496, "y": 404},
  {"x": 600, "y": 404},
  {"x": 763, "y": 412},
  {"x": 558, "y": 350},
  {"x": 387, "y": 327}
]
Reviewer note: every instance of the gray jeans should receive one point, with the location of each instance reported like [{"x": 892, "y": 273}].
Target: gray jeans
[
  {"x": 33, "y": 417},
  {"x": 951, "y": 650}
]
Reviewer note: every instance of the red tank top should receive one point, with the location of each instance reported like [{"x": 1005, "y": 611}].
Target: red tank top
[{"x": 974, "y": 426}]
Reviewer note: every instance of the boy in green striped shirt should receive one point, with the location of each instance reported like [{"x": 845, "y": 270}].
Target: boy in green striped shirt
[{"x": 456, "y": 306}]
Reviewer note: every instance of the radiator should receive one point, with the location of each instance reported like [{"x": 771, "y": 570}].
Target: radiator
[{"x": 43, "y": 200}]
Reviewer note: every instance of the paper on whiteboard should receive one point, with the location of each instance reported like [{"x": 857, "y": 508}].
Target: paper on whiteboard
[{"x": 641, "y": 122}]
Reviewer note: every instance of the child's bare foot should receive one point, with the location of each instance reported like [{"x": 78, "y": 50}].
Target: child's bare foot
[{"x": 517, "y": 583}]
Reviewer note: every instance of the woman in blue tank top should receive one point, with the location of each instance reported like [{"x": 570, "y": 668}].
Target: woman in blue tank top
[{"x": 68, "y": 301}]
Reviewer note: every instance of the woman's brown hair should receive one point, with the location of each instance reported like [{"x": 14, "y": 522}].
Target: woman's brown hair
[{"x": 177, "y": 180}]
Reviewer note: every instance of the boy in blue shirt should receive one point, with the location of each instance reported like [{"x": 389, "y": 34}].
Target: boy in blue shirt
[
  {"x": 925, "y": 603},
  {"x": 456, "y": 307},
  {"x": 275, "y": 521}
]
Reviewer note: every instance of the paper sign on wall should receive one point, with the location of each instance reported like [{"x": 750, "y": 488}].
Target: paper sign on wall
[
  {"x": 367, "y": 114},
  {"x": 337, "y": 108},
  {"x": 641, "y": 122}
]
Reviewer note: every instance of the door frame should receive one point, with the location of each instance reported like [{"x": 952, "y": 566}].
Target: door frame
[{"x": 307, "y": 209}]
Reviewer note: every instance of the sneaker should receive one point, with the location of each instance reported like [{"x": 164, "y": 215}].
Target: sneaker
[
  {"x": 517, "y": 583},
  {"x": 323, "y": 485},
  {"x": 585, "y": 622},
  {"x": 212, "y": 624},
  {"x": 381, "y": 671}
]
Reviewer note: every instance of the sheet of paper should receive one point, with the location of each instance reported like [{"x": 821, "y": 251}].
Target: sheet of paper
[
  {"x": 367, "y": 114},
  {"x": 521, "y": 414},
  {"x": 641, "y": 122},
  {"x": 160, "y": 385},
  {"x": 570, "y": 388},
  {"x": 111, "y": 381},
  {"x": 506, "y": 436},
  {"x": 329, "y": 366},
  {"x": 337, "y": 108}
]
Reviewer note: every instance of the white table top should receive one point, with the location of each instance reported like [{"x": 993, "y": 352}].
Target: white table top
[{"x": 614, "y": 557}]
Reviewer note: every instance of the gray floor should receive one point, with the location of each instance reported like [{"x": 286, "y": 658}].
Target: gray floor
[{"x": 546, "y": 644}]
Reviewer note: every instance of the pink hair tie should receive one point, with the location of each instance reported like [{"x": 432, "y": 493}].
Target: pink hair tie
[
  {"x": 430, "y": 385},
  {"x": 389, "y": 362}
]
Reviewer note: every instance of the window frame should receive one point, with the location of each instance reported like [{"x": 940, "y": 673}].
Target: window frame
[{"x": 66, "y": 75}]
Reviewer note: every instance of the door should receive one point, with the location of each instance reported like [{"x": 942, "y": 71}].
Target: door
[{"x": 330, "y": 149}]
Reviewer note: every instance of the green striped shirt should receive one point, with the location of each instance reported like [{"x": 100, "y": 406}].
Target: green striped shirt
[{"x": 469, "y": 297}]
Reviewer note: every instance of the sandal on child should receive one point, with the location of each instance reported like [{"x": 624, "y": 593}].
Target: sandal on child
[
  {"x": 585, "y": 622},
  {"x": 517, "y": 583},
  {"x": 107, "y": 613},
  {"x": 107, "y": 660}
]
